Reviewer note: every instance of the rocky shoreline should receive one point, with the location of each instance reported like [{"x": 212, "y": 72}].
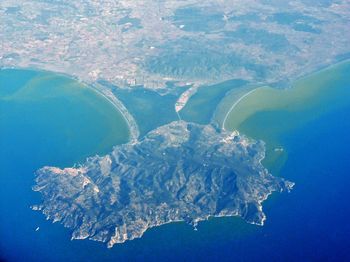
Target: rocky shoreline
[{"x": 178, "y": 172}]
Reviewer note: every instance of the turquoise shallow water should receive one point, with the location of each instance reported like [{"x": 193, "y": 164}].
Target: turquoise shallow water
[
  {"x": 201, "y": 107},
  {"x": 309, "y": 224}
]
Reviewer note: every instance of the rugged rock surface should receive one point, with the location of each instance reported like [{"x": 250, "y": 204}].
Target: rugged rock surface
[{"x": 178, "y": 172}]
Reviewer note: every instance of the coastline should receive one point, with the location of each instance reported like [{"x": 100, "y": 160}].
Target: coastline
[
  {"x": 108, "y": 95},
  {"x": 133, "y": 127},
  {"x": 319, "y": 70},
  {"x": 99, "y": 90},
  {"x": 236, "y": 103},
  {"x": 271, "y": 113}
]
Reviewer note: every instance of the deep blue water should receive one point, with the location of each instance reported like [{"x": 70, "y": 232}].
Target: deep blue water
[
  {"x": 309, "y": 224},
  {"x": 312, "y": 222}
]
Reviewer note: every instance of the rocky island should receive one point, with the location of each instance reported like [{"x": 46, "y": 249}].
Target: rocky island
[{"x": 178, "y": 172}]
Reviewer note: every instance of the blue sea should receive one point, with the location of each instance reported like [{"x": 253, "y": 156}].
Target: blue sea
[{"x": 40, "y": 127}]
